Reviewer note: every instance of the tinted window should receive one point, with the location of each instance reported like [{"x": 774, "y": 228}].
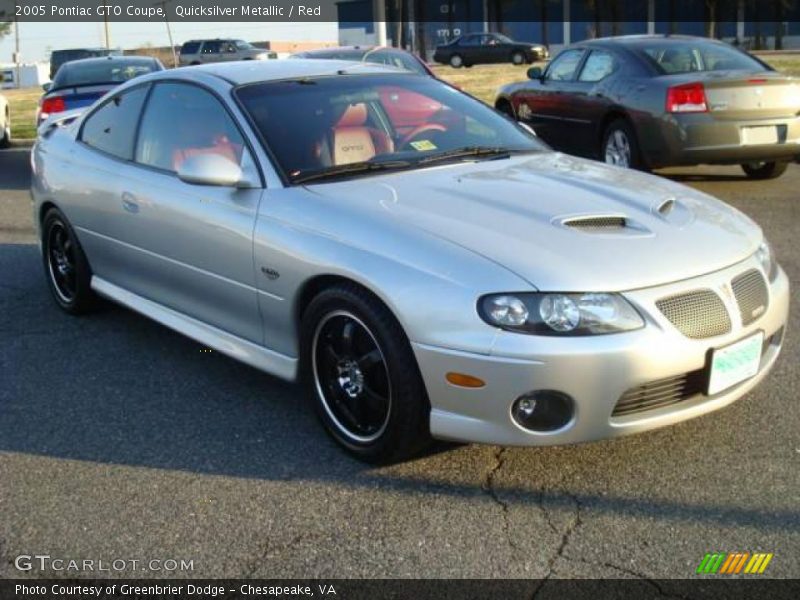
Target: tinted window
[
  {"x": 318, "y": 124},
  {"x": 112, "y": 127},
  {"x": 190, "y": 48},
  {"x": 228, "y": 47},
  {"x": 688, "y": 57},
  {"x": 563, "y": 66},
  {"x": 182, "y": 121},
  {"x": 103, "y": 71},
  {"x": 211, "y": 47},
  {"x": 598, "y": 66},
  {"x": 472, "y": 40}
]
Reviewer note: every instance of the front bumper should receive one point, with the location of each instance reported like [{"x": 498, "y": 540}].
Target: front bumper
[
  {"x": 595, "y": 371},
  {"x": 690, "y": 139}
]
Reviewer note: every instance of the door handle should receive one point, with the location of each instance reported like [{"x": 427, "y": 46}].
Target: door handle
[{"x": 129, "y": 203}]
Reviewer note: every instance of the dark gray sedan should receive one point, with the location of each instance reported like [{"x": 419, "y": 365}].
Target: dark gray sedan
[{"x": 657, "y": 101}]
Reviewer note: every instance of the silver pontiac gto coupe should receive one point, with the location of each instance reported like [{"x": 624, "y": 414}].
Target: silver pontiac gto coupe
[{"x": 426, "y": 266}]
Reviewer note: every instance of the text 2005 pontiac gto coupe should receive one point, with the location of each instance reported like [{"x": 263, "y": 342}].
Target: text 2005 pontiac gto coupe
[{"x": 427, "y": 266}]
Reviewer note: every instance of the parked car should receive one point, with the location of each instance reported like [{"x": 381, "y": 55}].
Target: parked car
[
  {"x": 659, "y": 101},
  {"x": 460, "y": 280},
  {"x": 59, "y": 57},
  {"x": 80, "y": 83},
  {"x": 198, "y": 52},
  {"x": 480, "y": 48},
  {"x": 5, "y": 122},
  {"x": 393, "y": 57}
]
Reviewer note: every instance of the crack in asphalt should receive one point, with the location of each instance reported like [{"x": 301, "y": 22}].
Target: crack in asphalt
[
  {"x": 489, "y": 487},
  {"x": 637, "y": 575},
  {"x": 566, "y": 536}
]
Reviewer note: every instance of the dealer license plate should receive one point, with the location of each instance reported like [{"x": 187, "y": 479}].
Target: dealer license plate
[
  {"x": 735, "y": 363},
  {"x": 763, "y": 134}
]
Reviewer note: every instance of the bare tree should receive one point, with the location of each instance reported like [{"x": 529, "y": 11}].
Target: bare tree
[
  {"x": 5, "y": 26},
  {"x": 711, "y": 18},
  {"x": 781, "y": 6}
]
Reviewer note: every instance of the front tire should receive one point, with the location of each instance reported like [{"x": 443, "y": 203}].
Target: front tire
[
  {"x": 362, "y": 377},
  {"x": 518, "y": 58},
  {"x": 764, "y": 170},
  {"x": 65, "y": 265},
  {"x": 620, "y": 146},
  {"x": 456, "y": 61}
]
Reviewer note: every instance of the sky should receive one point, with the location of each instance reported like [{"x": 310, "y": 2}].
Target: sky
[{"x": 38, "y": 39}]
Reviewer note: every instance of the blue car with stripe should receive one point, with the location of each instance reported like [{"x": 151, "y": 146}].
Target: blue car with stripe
[{"x": 79, "y": 83}]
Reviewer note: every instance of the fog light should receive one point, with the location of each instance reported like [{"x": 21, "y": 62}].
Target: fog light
[{"x": 544, "y": 410}]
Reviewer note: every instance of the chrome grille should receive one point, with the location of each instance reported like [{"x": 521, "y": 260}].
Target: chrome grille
[
  {"x": 598, "y": 224},
  {"x": 751, "y": 294},
  {"x": 699, "y": 314},
  {"x": 660, "y": 393}
]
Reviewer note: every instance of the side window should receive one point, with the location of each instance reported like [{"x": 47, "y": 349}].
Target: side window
[
  {"x": 598, "y": 66},
  {"x": 182, "y": 121},
  {"x": 190, "y": 48},
  {"x": 112, "y": 128},
  {"x": 229, "y": 47},
  {"x": 211, "y": 48},
  {"x": 564, "y": 65},
  {"x": 471, "y": 40}
]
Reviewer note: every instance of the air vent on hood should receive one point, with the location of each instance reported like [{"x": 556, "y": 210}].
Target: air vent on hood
[{"x": 597, "y": 224}]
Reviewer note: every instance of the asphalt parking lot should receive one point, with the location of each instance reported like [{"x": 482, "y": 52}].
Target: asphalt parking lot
[{"x": 120, "y": 439}]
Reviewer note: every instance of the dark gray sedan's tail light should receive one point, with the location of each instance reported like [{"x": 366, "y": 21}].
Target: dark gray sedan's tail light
[{"x": 687, "y": 98}]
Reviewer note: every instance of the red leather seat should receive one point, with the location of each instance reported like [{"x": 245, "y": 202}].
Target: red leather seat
[{"x": 354, "y": 141}]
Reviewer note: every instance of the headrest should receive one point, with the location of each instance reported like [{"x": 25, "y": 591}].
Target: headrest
[{"x": 354, "y": 116}]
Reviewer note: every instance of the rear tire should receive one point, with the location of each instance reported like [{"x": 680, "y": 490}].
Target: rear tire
[
  {"x": 65, "y": 265},
  {"x": 620, "y": 146},
  {"x": 764, "y": 170},
  {"x": 456, "y": 61},
  {"x": 361, "y": 376}
]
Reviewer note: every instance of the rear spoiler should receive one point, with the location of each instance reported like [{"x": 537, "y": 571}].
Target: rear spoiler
[{"x": 58, "y": 120}]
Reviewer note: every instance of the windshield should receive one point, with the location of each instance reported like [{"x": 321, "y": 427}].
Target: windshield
[
  {"x": 242, "y": 45},
  {"x": 318, "y": 126},
  {"x": 110, "y": 71},
  {"x": 675, "y": 58},
  {"x": 503, "y": 38}
]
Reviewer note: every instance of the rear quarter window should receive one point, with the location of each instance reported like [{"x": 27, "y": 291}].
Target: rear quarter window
[{"x": 112, "y": 127}]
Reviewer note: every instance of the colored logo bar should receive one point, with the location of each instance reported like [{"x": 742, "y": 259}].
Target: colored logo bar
[{"x": 733, "y": 563}]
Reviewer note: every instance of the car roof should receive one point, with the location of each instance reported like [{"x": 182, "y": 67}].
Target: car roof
[
  {"x": 88, "y": 49},
  {"x": 244, "y": 72},
  {"x": 637, "y": 39},
  {"x": 96, "y": 60}
]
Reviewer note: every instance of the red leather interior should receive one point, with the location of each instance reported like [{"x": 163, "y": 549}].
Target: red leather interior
[{"x": 354, "y": 141}]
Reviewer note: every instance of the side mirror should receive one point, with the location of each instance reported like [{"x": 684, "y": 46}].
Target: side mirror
[
  {"x": 46, "y": 86},
  {"x": 211, "y": 169},
  {"x": 535, "y": 73}
]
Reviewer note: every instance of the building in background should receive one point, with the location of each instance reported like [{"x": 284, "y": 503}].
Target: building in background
[{"x": 420, "y": 25}]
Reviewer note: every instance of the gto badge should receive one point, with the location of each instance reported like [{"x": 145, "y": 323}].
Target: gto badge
[{"x": 270, "y": 273}]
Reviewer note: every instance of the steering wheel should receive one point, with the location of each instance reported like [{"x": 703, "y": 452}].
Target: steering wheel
[{"x": 418, "y": 132}]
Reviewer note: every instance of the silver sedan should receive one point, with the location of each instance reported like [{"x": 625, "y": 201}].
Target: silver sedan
[{"x": 427, "y": 267}]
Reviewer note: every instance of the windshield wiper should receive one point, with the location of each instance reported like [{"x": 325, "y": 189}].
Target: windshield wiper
[
  {"x": 350, "y": 169},
  {"x": 480, "y": 152}
]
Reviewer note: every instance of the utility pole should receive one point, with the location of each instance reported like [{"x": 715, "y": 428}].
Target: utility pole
[
  {"x": 108, "y": 37},
  {"x": 169, "y": 34},
  {"x": 18, "y": 76}
]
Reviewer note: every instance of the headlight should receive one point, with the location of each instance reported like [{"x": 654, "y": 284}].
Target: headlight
[
  {"x": 766, "y": 257},
  {"x": 560, "y": 314}
]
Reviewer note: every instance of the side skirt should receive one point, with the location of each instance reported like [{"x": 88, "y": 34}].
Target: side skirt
[{"x": 247, "y": 352}]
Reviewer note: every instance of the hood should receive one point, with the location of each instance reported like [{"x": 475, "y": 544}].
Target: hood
[{"x": 563, "y": 223}]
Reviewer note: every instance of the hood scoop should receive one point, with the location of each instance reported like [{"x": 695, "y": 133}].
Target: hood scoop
[
  {"x": 596, "y": 224},
  {"x": 614, "y": 225}
]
